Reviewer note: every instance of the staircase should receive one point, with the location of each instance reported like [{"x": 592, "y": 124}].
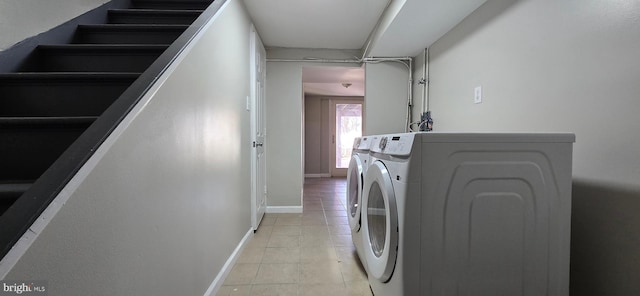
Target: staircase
[{"x": 60, "y": 90}]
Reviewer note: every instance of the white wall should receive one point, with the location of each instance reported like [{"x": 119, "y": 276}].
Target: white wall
[
  {"x": 386, "y": 89},
  {"x": 168, "y": 200},
  {"x": 21, "y": 19},
  {"x": 569, "y": 65},
  {"x": 285, "y": 172},
  {"x": 575, "y": 69}
]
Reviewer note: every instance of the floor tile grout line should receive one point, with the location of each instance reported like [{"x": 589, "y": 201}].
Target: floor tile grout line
[
  {"x": 333, "y": 245},
  {"x": 329, "y": 200}
]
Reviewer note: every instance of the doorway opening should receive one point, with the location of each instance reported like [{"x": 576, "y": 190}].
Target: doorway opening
[
  {"x": 347, "y": 120},
  {"x": 333, "y": 118}
]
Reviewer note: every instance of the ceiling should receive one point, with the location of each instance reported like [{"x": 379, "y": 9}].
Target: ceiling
[
  {"x": 333, "y": 81},
  {"x": 405, "y": 28},
  {"x": 336, "y": 24}
]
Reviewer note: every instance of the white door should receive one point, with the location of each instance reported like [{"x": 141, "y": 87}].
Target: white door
[
  {"x": 346, "y": 126},
  {"x": 258, "y": 130},
  {"x": 379, "y": 222}
]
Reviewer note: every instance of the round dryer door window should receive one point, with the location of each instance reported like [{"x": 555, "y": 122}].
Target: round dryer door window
[
  {"x": 377, "y": 218},
  {"x": 354, "y": 193},
  {"x": 380, "y": 223}
]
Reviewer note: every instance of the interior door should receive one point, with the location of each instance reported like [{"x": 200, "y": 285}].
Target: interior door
[
  {"x": 347, "y": 123},
  {"x": 258, "y": 130}
]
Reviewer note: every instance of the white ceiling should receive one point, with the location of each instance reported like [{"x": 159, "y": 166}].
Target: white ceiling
[
  {"x": 328, "y": 81},
  {"x": 337, "y": 24},
  {"x": 407, "y": 28}
]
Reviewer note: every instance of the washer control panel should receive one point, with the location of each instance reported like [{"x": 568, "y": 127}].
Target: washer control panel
[
  {"x": 365, "y": 143},
  {"x": 393, "y": 144},
  {"x": 356, "y": 143}
]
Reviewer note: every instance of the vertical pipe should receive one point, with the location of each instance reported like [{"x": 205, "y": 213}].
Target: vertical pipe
[
  {"x": 410, "y": 97},
  {"x": 425, "y": 75}
]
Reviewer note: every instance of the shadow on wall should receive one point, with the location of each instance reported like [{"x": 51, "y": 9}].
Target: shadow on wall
[
  {"x": 486, "y": 13},
  {"x": 605, "y": 240}
]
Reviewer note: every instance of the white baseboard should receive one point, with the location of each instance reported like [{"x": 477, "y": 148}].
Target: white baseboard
[
  {"x": 317, "y": 175},
  {"x": 226, "y": 269},
  {"x": 283, "y": 210}
]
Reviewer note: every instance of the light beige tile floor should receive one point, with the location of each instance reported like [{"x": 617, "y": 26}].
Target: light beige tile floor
[{"x": 302, "y": 254}]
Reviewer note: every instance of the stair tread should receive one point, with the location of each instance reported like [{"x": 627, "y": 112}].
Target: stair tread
[
  {"x": 102, "y": 46},
  {"x": 14, "y": 187},
  {"x": 30, "y": 77},
  {"x": 133, "y": 26},
  {"x": 156, "y": 11},
  {"x": 46, "y": 121},
  {"x": 67, "y": 74},
  {"x": 171, "y": 3}
]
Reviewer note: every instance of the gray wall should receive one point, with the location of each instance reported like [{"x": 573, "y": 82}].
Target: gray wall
[
  {"x": 568, "y": 65},
  {"x": 285, "y": 142},
  {"x": 168, "y": 200},
  {"x": 21, "y": 19},
  {"x": 385, "y": 111},
  {"x": 386, "y": 92},
  {"x": 317, "y": 132}
]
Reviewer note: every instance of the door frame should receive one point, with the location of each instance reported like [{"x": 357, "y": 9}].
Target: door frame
[{"x": 339, "y": 172}]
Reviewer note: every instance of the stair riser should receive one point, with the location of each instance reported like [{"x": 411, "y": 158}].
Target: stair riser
[
  {"x": 7, "y": 199},
  {"x": 104, "y": 61},
  {"x": 27, "y": 153},
  {"x": 129, "y": 18},
  {"x": 65, "y": 106},
  {"x": 75, "y": 98},
  {"x": 5, "y": 205},
  {"x": 127, "y": 37}
]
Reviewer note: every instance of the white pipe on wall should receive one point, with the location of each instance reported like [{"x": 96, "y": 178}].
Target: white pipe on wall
[
  {"x": 407, "y": 61},
  {"x": 425, "y": 75}
]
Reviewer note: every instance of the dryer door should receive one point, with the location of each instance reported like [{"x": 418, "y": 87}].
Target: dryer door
[
  {"x": 355, "y": 179},
  {"x": 380, "y": 222}
]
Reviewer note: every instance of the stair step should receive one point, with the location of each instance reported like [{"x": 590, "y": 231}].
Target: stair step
[
  {"x": 153, "y": 16},
  {"x": 128, "y": 34},
  {"x": 31, "y": 144},
  {"x": 171, "y": 4},
  {"x": 61, "y": 94},
  {"x": 95, "y": 57},
  {"x": 10, "y": 192},
  {"x": 45, "y": 122}
]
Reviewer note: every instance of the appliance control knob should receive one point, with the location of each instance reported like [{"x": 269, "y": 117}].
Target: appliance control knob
[{"x": 383, "y": 143}]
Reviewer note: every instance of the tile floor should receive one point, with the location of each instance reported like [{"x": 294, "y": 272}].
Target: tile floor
[{"x": 302, "y": 254}]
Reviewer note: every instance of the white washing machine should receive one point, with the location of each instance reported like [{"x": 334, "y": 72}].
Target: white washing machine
[
  {"x": 468, "y": 214},
  {"x": 355, "y": 182}
]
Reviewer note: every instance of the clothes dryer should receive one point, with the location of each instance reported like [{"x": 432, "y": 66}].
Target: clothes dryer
[
  {"x": 355, "y": 182},
  {"x": 468, "y": 214}
]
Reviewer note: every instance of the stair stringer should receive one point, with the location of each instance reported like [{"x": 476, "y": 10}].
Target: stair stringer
[{"x": 29, "y": 215}]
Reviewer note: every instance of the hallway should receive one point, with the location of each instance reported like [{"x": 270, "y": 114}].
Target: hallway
[{"x": 302, "y": 254}]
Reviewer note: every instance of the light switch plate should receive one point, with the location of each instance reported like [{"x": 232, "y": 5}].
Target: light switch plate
[{"x": 477, "y": 95}]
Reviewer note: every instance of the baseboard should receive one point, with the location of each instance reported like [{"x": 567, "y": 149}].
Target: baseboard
[
  {"x": 317, "y": 175},
  {"x": 226, "y": 269},
  {"x": 283, "y": 210}
]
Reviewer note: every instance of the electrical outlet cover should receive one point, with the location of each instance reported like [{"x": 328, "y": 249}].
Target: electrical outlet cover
[{"x": 477, "y": 97}]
